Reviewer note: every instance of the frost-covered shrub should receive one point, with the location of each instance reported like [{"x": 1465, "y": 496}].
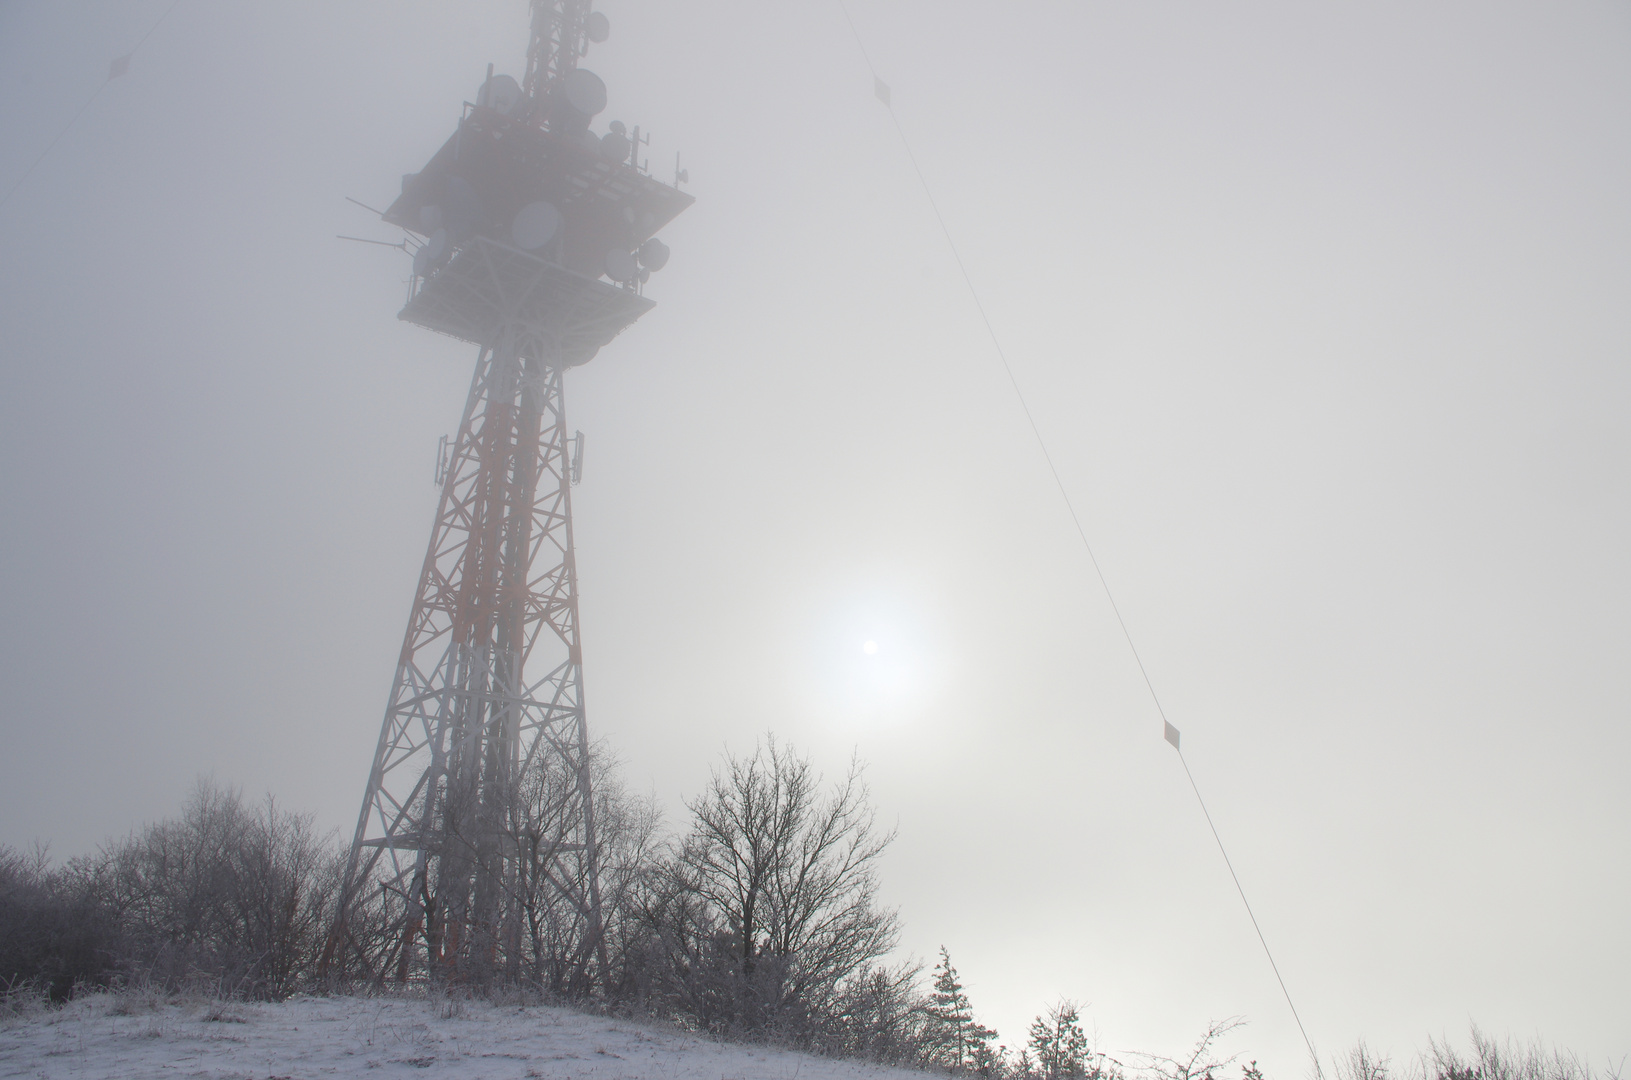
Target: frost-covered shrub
[{"x": 53, "y": 938}]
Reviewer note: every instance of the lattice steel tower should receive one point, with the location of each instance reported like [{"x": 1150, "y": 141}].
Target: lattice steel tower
[{"x": 475, "y": 853}]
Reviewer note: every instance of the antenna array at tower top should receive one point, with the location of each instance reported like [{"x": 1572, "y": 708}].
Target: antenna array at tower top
[{"x": 562, "y": 31}]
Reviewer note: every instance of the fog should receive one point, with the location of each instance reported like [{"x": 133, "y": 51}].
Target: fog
[{"x": 1321, "y": 311}]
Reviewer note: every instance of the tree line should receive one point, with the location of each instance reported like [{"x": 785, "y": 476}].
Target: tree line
[{"x": 761, "y": 919}]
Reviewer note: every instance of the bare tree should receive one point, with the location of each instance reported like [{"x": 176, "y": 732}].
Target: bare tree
[
  {"x": 1494, "y": 1059},
  {"x": 279, "y": 885},
  {"x": 880, "y": 1016},
  {"x": 1363, "y": 1063},
  {"x": 784, "y": 880},
  {"x": 52, "y": 939},
  {"x": 232, "y": 895},
  {"x": 1201, "y": 1062},
  {"x": 557, "y": 953}
]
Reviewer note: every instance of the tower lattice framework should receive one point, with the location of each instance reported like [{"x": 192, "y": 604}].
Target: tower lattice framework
[{"x": 475, "y": 855}]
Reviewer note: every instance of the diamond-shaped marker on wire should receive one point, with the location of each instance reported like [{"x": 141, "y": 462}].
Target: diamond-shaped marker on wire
[
  {"x": 119, "y": 66},
  {"x": 880, "y": 88},
  {"x": 1171, "y": 735}
]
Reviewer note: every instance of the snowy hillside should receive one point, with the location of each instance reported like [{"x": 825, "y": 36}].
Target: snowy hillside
[{"x": 111, "y": 1036}]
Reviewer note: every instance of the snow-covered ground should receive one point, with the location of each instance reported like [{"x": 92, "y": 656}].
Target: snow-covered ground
[{"x": 105, "y": 1035}]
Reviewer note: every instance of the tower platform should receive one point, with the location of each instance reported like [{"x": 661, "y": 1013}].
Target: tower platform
[
  {"x": 507, "y": 163},
  {"x": 488, "y": 284}
]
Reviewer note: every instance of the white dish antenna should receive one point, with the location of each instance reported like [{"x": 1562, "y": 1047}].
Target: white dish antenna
[
  {"x": 622, "y": 265},
  {"x": 437, "y": 246},
  {"x": 499, "y": 92},
  {"x": 597, "y": 27},
  {"x": 615, "y": 147},
  {"x": 535, "y": 225},
  {"x": 654, "y": 254},
  {"x": 584, "y": 92}
]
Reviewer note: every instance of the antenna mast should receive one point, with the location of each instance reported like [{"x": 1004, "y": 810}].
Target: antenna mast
[
  {"x": 560, "y": 35},
  {"x": 475, "y": 857}
]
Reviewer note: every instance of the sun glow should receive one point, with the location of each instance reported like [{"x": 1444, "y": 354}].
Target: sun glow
[{"x": 871, "y": 662}]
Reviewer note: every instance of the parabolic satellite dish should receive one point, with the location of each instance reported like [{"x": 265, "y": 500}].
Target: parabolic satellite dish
[
  {"x": 597, "y": 27},
  {"x": 584, "y": 92},
  {"x": 535, "y": 225},
  {"x": 501, "y": 93},
  {"x": 436, "y": 245},
  {"x": 654, "y": 254},
  {"x": 615, "y": 147}
]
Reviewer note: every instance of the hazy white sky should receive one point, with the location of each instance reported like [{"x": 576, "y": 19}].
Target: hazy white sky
[{"x": 1323, "y": 310}]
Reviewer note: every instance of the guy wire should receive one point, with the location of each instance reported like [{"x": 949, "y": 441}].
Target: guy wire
[
  {"x": 52, "y": 145},
  {"x": 1064, "y": 494}
]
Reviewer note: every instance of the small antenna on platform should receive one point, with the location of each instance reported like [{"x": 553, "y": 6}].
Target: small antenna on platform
[
  {"x": 444, "y": 452},
  {"x": 638, "y": 143},
  {"x": 681, "y": 176},
  {"x": 402, "y": 244},
  {"x": 365, "y": 206}
]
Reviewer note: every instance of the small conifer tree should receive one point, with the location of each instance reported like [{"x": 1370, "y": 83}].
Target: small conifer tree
[
  {"x": 1059, "y": 1043},
  {"x": 956, "y": 1042}
]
